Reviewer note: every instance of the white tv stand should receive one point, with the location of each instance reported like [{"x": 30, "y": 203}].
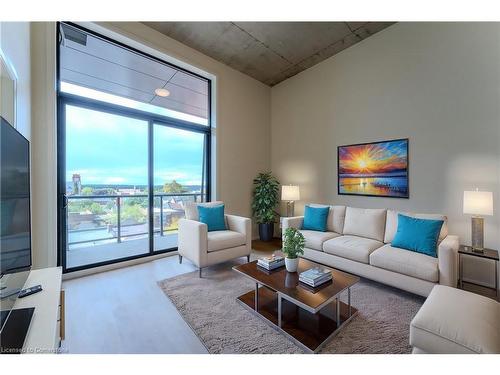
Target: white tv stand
[{"x": 47, "y": 325}]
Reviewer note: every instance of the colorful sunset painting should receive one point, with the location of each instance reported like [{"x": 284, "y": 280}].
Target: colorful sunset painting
[{"x": 375, "y": 169}]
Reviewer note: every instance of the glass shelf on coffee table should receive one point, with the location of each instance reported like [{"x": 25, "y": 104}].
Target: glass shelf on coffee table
[{"x": 309, "y": 316}]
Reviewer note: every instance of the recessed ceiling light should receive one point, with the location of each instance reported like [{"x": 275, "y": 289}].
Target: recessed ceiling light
[{"x": 162, "y": 92}]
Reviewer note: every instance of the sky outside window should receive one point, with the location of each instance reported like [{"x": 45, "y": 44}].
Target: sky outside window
[
  {"x": 107, "y": 149},
  {"x": 178, "y": 155}
]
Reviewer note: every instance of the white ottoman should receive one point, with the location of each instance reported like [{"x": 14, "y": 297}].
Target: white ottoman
[{"x": 455, "y": 321}]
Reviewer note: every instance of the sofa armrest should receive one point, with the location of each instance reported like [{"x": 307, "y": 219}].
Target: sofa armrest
[
  {"x": 292, "y": 222},
  {"x": 241, "y": 225},
  {"x": 193, "y": 241},
  {"x": 448, "y": 261}
]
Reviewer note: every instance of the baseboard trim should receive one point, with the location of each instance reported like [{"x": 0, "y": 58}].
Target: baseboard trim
[{"x": 114, "y": 266}]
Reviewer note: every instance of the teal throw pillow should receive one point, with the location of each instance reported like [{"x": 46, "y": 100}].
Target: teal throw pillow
[
  {"x": 213, "y": 217},
  {"x": 419, "y": 235},
  {"x": 315, "y": 218}
]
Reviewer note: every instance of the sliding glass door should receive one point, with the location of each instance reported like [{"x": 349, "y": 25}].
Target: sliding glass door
[
  {"x": 113, "y": 164},
  {"x": 179, "y": 178},
  {"x": 107, "y": 186},
  {"x": 133, "y": 150}
]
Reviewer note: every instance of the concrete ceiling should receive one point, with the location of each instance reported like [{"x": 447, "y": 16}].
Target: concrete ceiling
[{"x": 269, "y": 51}]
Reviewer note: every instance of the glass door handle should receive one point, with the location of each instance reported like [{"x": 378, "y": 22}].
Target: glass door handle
[{"x": 64, "y": 201}]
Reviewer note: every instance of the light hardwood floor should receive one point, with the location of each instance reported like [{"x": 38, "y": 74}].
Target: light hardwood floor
[{"x": 124, "y": 311}]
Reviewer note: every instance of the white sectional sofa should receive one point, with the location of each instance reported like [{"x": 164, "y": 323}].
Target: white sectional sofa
[
  {"x": 454, "y": 321},
  {"x": 359, "y": 241}
]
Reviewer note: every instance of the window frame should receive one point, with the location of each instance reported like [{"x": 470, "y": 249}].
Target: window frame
[{"x": 64, "y": 98}]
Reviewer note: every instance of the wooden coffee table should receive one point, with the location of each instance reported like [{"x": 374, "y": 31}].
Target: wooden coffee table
[{"x": 309, "y": 316}]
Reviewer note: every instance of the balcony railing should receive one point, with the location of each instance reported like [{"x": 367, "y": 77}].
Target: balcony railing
[{"x": 92, "y": 218}]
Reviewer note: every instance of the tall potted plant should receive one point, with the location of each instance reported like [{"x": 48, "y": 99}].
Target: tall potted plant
[
  {"x": 293, "y": 246},
  {"x": 265, "y": 200}
]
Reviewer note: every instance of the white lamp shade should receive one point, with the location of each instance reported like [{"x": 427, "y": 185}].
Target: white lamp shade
[
  {"x": 478, "y": 202},
  {"x": 290, "y": 193}
]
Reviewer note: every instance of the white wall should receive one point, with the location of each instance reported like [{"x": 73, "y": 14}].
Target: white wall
[
  {"x": 30, "y": 48},
  {"x": 242, "y": 134},
  {"x": 435, "y": 83},
  {"x": 15, "y": 45},
  {"x": 43, "y": 145}
]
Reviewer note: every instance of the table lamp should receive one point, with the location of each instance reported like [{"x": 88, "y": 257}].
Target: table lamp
[
  {"x": 290, "y": 194},
  {"x": 478, "y": 203}
]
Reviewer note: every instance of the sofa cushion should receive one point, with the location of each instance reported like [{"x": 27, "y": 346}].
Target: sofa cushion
[
  {"x": 315, "y": 239},
  {"x": 364, "y": 222},
  {"x": 456, "y": 321},
  {"x": 391, "y": 223},
  {"x": 335, "y": 220},
  {"x": 224, "y": 239},
  {"x": 406, "y": 262},
  {"x": 352, "y": 247}
]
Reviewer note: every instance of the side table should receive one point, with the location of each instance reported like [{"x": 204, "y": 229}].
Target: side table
[{"x": 485, "y": 254}]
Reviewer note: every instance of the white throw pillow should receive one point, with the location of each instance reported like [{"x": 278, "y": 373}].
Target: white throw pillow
[
  {"x": 365, "y": 222},
  {"x": 391, "y": 224}
]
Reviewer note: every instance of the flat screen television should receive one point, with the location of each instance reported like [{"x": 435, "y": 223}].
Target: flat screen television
[{"x": 15, "y": 229}]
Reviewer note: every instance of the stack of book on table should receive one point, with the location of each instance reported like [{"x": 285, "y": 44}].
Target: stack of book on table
[
  {"x": 315, "y": 276},
  {"x": 271, "y": 263}
]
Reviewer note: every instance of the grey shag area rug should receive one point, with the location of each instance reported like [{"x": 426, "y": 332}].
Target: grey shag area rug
[{"x": 223, "y": 325}]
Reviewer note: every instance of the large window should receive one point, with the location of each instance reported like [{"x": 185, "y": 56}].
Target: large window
[{"x": 134, "y": 150}]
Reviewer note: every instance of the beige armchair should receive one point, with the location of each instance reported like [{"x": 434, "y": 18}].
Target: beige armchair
[{"x": 205, "y": 248}]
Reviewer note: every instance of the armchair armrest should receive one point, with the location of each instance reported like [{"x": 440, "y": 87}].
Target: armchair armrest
[
  {"x": 448, "y": 261},
  {"x": 193, "y": 241},
  {"x": 238, "y": 223},
  {"x": 292, "y": 222},
  {"x": 241, "y": 225}
]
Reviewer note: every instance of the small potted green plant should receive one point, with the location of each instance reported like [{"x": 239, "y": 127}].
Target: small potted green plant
[
  {"x": 293, "y": 246},
  {"x": 265, "y": 200}
]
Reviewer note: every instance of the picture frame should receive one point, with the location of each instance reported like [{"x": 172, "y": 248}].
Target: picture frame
[{"x": 374, "y": 169}]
